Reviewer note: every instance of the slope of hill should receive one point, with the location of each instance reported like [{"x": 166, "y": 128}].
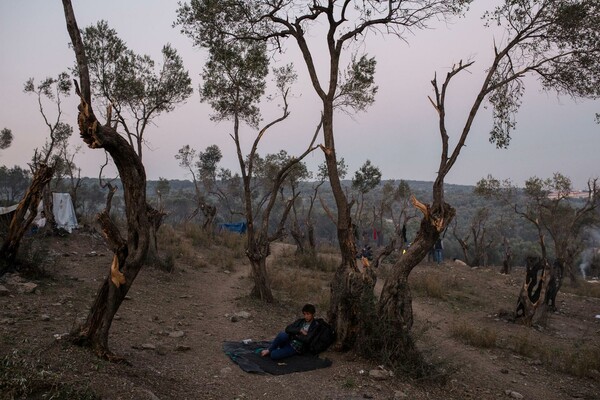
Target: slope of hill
[{"x": 172, "y": 325}]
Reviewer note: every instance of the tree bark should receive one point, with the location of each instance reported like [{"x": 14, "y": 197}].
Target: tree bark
[
  {"x": 49, "y": 208},
  {"x": 385, "y": 252},
  {"x": 351, "y": 289},
  {"x": 262, "y": 288},
  {"x": 209, "y": 212},
  {"x": 538, "y": 293},
  {"x": 573, "y": 276},
  {"x": 395, "y": 303},
  {"x": 155, "y": 218},
  {"x": 312, "y": 243},
  {"x": 257, "y": 251},
  {"x": 209, "y": 216}
]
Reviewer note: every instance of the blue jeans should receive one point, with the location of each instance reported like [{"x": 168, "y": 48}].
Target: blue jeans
[
  {"x": 438, "y": 256},
  {"x": 281, "y": 347}
]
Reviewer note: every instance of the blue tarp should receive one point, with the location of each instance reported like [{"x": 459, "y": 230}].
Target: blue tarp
[{"x": 238, "y": 227}]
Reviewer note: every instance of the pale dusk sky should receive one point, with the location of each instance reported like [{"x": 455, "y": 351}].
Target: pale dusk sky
[{"x": 398, "y": 133}]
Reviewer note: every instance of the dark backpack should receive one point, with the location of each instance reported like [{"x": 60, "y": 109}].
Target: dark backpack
[{"x": 323, "y": 337}]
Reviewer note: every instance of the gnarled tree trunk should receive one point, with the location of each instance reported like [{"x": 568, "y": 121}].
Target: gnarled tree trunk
[
  {"x": 49, "y": 208},
  {"x": 209, "y": 213},
  {"x": 395, "y": 303},
  {"x": 352, "y": 302},
  {"x": 257, "y": 253},
  {"x": 21, "y": 221},
  {"x": 129, "y": 253},
  {"x": 538, "y": 293}
]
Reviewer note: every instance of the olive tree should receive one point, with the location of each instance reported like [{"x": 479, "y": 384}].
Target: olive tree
[
  {"x": 13, "y": 184},
  {"x": 203, "y": 170},
  {"x": 547, "y": 205},
  {"x": 44, "y": 161},
  {"x": 365, "y": 179},
  {"x": 129, "y": 251},
  {"x": 340, "y": 88},
  {"x": 557, "y": 41},
  {"x": 234, "y": 81},
  {"x": 128, "y": 82}
]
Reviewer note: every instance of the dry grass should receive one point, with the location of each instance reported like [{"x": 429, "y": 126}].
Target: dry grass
[
  {"x": 584, "y": 288},
  {"x": 300, "y": 285},
  {"x": 325, "y": 262},
  {"x": 434, "y": 285},
  {"x": 300, "y": 279},
  {"x": 478, "y": 337},
  {"x": 206, "y": 239},
  {"x": 171, "y": 241},
  {"x": 329, "y": 249},
  {"x": 316, "y": 262},
  {"x": 584, "y": 361},
  {"x": 575, "y": 358},
  {"x": 181, "y": 243}
]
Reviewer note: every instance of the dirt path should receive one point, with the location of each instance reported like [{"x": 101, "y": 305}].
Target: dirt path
[{"x": 202, "y": 308}]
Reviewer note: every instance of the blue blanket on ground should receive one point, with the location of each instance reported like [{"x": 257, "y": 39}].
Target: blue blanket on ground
[{"x": 248, "y": 358}]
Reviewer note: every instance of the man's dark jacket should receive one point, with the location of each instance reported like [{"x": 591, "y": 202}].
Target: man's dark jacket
[{"x": 294, "y": 329}]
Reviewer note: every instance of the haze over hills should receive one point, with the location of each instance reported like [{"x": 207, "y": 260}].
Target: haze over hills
[{"x": 179, "y": 203}]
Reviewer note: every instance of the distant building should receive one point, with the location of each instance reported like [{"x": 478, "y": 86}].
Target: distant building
[{"x": 576, "y": 194}]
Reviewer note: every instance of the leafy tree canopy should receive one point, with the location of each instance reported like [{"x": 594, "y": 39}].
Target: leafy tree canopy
[
  {"x": 557, "y": 40},
  {"x": 6, "y": 138},
  {"x": 366, "y": 178},
  {"x": 130, "y": 83},
  {"x": 234, "y": 80}
]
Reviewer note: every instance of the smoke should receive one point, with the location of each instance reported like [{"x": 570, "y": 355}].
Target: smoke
[{"x": 591, "y": 240}]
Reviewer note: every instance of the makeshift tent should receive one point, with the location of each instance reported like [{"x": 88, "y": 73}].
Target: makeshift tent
[
  {"x": 62, "y": 208},
  {"x": 64, "y": 212}
]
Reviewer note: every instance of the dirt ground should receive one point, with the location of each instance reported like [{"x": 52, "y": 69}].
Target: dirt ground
[{"x": 172, "y": 325}]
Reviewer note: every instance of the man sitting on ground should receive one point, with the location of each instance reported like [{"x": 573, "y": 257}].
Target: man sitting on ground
[{"x": 296, "y": 338}]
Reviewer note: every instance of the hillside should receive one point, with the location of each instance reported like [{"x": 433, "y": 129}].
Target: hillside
[
  {"x": 172, "y": 326},
  {"x": 178, "y": 200}
]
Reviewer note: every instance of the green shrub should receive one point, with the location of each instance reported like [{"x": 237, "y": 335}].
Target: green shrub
[
  {"x": 33, "y": 259},
  {"x": 349, "y": 383}
]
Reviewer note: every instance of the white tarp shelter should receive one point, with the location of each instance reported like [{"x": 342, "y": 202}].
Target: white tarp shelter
[
  {"x": 64, "y": 212},
  {"x": 62, "y": 208}
]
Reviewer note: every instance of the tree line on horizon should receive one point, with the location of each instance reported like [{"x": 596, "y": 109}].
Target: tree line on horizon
[{"x": 484, "y": 248}]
